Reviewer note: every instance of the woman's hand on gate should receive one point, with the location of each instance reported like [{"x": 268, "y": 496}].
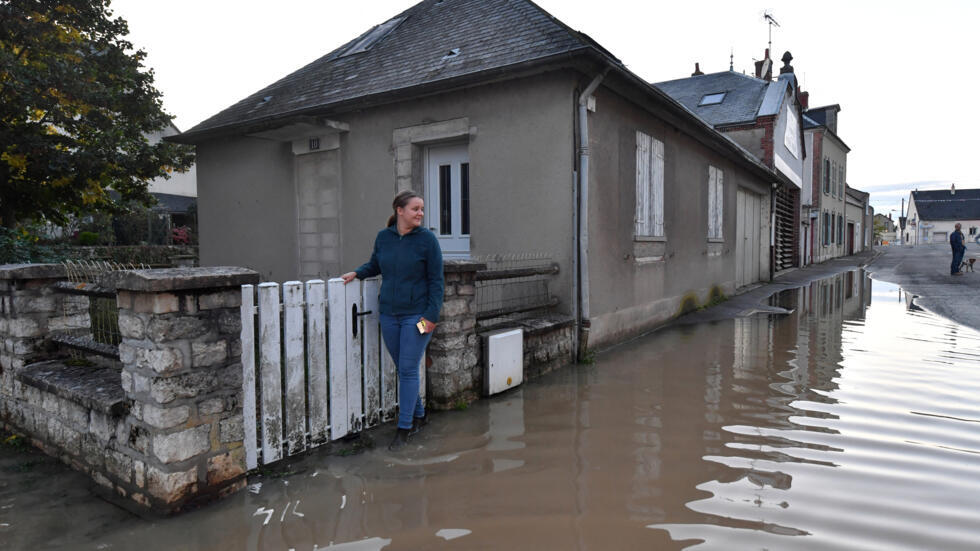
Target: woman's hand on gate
[{"x": 348, "y": 277}]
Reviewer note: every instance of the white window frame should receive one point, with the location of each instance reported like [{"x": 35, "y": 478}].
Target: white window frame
[
  {"x": 716, "y": 203},
  {"x": 791, "y": 137},
  {"x": 649, "y": 217}
]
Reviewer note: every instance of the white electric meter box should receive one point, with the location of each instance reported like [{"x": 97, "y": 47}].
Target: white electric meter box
[{"x": 503, "y": 368}]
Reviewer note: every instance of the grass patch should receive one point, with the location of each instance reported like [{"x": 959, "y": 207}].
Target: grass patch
[
  {"x": 689, "y": 303},
  {"x": 16, "y": 442},
  {"x": 716, "y": 297}
]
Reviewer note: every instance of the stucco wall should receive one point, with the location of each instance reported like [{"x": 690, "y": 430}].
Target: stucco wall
[
  {"x": 789, "y": 164},
  {"x": 751, "y": 139},
  {"x": 854, "y": 214},
  {"x": 521, "y": 153},
  {"x": 833, "y": 203},
  {"x": 629, "y": 296},
  {"x": 247, "y": 206}
]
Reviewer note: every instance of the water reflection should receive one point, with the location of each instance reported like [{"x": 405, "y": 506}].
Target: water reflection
[
  {"x": 867, "y": 437},
  {"x": 847, "y": 423}
]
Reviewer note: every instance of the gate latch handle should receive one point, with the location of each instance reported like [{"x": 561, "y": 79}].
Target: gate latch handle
[{"x": 353, "y": 318}]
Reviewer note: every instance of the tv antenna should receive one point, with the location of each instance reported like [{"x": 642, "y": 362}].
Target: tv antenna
[{"x": 771, "y": 21}]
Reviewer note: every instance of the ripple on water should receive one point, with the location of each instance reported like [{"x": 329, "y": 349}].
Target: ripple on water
[{"x": 885, "y": 458}]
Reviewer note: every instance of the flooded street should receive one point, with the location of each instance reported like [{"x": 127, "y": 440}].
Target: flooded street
[{"x": 850, "y": 423}]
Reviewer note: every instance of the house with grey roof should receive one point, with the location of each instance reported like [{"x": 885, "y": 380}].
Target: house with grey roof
[
  {"x": 824, "y": 185},
  {"x": 858, "y": 221},
  {"x": 932, "y": 214},
  {"x": 523, "y": 136},
  {"x": 762, "y": 115}
]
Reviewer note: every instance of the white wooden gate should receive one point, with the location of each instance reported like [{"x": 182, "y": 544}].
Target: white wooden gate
[{"x": 314, "y": 367}]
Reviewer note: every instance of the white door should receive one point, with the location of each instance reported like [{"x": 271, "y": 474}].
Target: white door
[
  {"x": 940, "y": 237},
  {"x": 747, "y": 233},
  {"x": 447, "y": 197}
]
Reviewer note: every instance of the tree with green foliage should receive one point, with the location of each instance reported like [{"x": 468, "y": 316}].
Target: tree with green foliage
[{"x": 76, "y": 107}]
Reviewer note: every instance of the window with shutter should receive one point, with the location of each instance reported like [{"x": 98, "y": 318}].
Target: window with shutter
[
  {"x": 833, "y": 178},
  {"x": 649, "y": 217},
  {"x": 826, "y": 175},
  {"x": 826, "y": 229}
]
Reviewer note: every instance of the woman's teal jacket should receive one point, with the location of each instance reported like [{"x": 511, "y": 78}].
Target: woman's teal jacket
[{"x": 411, "y": 272}]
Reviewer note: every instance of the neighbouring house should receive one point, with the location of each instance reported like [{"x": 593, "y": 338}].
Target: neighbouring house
[
  {"x": 827, "y": 201},
  {"x": 762, "y": 115},
  {"x": 524, "y": 136},
  {"x": 933, "y": 214},
  {"x": 858, "y": 225},
  {"x": 889, "y": 229},
  {"x": 177, "y": 195}
]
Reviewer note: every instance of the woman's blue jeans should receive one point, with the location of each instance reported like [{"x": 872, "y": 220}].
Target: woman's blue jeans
[{"x": 406, "y": 346}]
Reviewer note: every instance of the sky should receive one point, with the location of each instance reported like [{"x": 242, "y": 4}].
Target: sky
[{"x": 902, "y": 72}]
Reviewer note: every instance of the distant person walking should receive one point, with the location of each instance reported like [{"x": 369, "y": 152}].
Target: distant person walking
[
  {"x": 409, "y": 259},
  {"x": 957, "y": 243}
]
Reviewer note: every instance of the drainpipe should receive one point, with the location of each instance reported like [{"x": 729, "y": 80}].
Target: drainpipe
[
  {"x": 584, "y": 322},
  {"x": 772, "y": 231}
]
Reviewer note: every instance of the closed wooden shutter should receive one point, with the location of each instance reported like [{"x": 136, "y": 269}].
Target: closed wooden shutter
[
  {"x": 658, "y": 188},
  {"x": 715, "y": 202},
  {"x": 643, "y": 177},
  {"x": 649, "y": 218}
]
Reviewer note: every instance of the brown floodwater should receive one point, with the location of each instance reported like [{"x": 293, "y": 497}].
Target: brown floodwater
[{"x": 850, "y": 423}]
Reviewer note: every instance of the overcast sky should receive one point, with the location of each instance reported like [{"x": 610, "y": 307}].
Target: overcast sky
[{"x": 902, "y": 72}]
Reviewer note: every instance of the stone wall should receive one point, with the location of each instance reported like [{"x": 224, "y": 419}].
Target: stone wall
[
  {"x": 164, "y": 429},
  {"x": 30, "y": 309},
  {"x": 77, "y": 414},
  {"x": 181, "y": 353},
  {"x": 455, "y": 366},
  {"x": 549, "y": 343},
  {"x": 453, "y": 374}
]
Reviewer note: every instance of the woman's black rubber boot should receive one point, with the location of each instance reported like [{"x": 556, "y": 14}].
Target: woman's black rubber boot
[
  {"x": 418, "y": 423},
  {"x": 400, "y": 440}
]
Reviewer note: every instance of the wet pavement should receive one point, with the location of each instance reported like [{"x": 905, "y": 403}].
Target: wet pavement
[
  {"x": 923, "y": 270},
  {"x": 846, "y": 423}
]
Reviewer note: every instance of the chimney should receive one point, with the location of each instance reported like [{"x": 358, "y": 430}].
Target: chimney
[
  {"x": 786, "y": 68},
  {"x": 952, "y": 189},
  {"x": 805, "y": 100},
  {"x": 697, "y": 70},
  {"x": 831, "y": 117},
  {"x": 763, "y": 69}
]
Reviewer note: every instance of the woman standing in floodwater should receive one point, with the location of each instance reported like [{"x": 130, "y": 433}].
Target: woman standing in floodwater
[{"x": 409, "y": 259}]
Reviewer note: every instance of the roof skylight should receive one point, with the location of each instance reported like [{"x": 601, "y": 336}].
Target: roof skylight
[
  {"x": 712, "y": 99},
  {"x": 372, "y": 37}
]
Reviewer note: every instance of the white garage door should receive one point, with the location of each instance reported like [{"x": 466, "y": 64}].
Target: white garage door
[{"x": 940, "y": 237}]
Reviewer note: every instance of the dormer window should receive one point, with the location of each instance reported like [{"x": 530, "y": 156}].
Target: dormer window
[
  {"x": 713, "y": 99},
  {"x": 372, "y": 37}
]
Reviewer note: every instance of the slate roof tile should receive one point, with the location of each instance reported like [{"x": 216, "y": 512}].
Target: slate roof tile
[
  {"x": 743, "y": 98},
  {"x": 490, "y": 34},
  {"x": 942, "y": 205}
]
